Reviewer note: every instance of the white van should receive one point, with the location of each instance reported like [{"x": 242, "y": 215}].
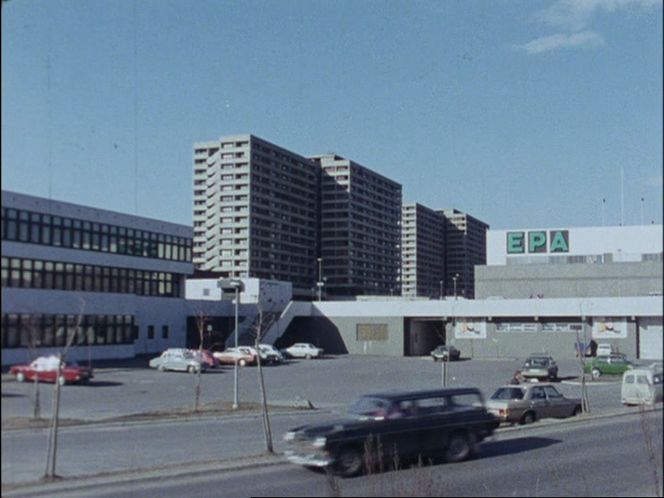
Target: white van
[{"x": 641, "y": 386}]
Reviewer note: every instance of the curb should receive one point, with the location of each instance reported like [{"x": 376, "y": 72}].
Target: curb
[{"x": 85, "y": 482}]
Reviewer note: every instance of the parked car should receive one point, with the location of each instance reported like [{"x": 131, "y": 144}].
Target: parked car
[
  {"x": 641, "y": 386},
  {"x": 613, "y": 364},
  {"x": 539, "y": 366},
  {"x": 179, "y": 360},
  {"x": 45, "y": 369},
  {"x": 445, "y": 353},
  {"x": 303, "y": 350},
  {"x": 270, "y": 354},
  {"x": 606, "y": 349},
  {"x": 242, "y": 355},
  {"x": 385, "y": 427},
  {"x": 526, "y": 403},
  {"x": 205, "y": 356}
]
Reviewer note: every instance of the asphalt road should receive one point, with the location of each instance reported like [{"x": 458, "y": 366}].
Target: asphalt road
[{"x": 608, "y": 456}]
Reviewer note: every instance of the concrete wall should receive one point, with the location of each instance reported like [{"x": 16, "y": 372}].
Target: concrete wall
[
  {"x": 521, "y": 344},
  {"x": 568, "y": 280}
]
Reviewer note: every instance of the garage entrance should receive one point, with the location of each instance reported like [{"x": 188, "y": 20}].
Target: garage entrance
[{"x": 423, "y": 335}]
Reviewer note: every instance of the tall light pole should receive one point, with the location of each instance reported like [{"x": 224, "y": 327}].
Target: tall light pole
[
  {"x": 454, "y": 279},
  {"x": 236, "y": 285},
  {"x": 441, "y": 289},
  {"x": 320, "y": 279}
]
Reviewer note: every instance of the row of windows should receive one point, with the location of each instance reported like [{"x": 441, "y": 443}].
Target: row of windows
[
  {"x": 39, "y": 274},
  {"x": 37, "y": 330},
  {"x": 36, "y": 228}
]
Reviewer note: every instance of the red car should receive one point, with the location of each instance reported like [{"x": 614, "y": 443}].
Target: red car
[
  {"x": 205, "y": 357},
  {"x": 45, "y": 369}
]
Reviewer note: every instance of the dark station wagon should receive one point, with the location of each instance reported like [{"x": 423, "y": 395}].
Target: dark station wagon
[{"x": 395, "y": 426}]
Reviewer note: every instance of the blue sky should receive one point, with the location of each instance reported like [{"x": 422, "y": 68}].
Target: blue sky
[{"x": 521, "y": 113}]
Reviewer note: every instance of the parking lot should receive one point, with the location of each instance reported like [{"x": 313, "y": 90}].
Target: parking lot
[{"x": 130, "y": 388}]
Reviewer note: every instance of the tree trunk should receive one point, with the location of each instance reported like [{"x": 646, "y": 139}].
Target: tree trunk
[
  {"x": 36, "y": 414},
  {"x": 53, "y": 435}
]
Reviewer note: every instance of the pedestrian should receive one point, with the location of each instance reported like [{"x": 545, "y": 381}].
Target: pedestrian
[{"x": 516, "y": 378}]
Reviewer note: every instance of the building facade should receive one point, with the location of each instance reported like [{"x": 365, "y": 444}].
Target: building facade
[
  {"x": 465, "y": 247},
  {"x": 256, "y": 211},
  {"x": 359, "y": 238},
  {"x": 422, "y": 252},
  {"x": 572, "y": 262},
  {"x": 110, "y": 282}
]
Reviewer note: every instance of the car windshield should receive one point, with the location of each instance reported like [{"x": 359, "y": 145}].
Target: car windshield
[
  {"x": 538, "y": 362},
  {"x": 508, "y": 393},
  {"x": 369, "y": 406}
]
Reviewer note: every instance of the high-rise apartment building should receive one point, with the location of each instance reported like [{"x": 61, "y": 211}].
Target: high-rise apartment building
[
  {"x": 359, "y": 237},
  {"x": 256, "y": 211},
  {"x": 422, "y": 251},
  {"x": 465, "y": 247}
]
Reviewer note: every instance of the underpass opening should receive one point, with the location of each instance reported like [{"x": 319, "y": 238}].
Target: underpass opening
[{"x": 423, "y": 335}]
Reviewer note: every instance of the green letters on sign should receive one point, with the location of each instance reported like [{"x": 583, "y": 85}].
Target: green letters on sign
[
  {"x": 559, "y": 241},
  {"x": 515, "y": 243},
  {"x": 536, "y": 241}
]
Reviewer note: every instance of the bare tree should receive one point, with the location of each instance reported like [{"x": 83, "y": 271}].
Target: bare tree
[
  {"x": 585, "y": 402},
  {"x": 267, "y": 430},
  {"x": 201, "y": 323},
  {"x": 52, "y": 450},
  {"x": 33, "y": 344}
]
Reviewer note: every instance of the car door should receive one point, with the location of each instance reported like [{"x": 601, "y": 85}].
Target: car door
[
  {"x": 558, "y": 405},
  {"x": 539, "y": 403}
]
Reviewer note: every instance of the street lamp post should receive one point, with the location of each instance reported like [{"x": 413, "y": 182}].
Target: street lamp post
[
  {"x": 441, "y": 289},
  {"x": 320, "y": 279},
  {"x": 454, "y": 279},
  {"x": 236, "y": 285}
]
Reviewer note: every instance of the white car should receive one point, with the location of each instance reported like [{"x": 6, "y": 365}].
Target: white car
[
  {"x": 177, "y": 359},
  {"x": 303, "y": 350}
]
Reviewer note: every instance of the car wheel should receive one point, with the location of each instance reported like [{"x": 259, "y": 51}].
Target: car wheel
[
  {"x": 577, "y": 411},
  {"x": 596, "y": 373},
  {"x": 242, "y": 362},
  {"x": 528, "y": 418},
  {"x": 349, "y": 462},
  {"x": 458, "y": 447},
  {"x": 161, "y": 368},
  {"x": 191, "y": 369},
  {"x": 307, "y": 356},
  {"x": 62, "y": 381},
  {"x": 20, "y": 377}
]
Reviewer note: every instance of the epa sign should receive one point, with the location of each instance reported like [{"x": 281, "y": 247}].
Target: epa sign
[{"x": 538, "y": 241}]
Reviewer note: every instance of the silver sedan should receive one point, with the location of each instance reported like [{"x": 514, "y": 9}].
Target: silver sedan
[{"x": 526, "y": 403}]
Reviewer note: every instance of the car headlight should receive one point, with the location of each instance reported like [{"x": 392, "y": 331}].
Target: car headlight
[
  {"x": 289, "y": 436},
  {"x": 319, "y": 442}
]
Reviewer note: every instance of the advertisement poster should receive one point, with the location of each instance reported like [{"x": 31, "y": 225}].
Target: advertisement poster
[
  {"x": 464, "y": 329},
  {"x": 609, "y": 328}
]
